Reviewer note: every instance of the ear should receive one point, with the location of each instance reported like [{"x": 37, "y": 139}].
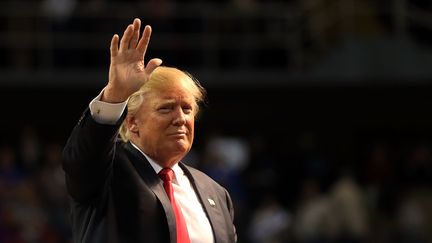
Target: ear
[{"x": 131, "y": 124}]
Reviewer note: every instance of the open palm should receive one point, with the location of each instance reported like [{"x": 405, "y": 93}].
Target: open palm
[{"x": 127, "y": 71}]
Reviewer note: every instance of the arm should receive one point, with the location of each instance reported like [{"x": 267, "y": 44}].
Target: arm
[
  {"x": 89, "y": 151},
  {"x": 87, "y": 157}
]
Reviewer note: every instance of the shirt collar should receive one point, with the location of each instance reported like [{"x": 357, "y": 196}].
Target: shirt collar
[{"x": 157, "y": 168}]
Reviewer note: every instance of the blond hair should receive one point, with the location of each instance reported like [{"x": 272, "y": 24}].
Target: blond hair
[{"x": 162, "y": 78}]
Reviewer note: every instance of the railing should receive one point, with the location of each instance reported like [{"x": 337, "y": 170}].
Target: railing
[{"x": 219, "y": 41}]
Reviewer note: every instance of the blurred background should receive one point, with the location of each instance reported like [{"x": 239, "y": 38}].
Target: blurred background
[{"x": 318, "y": 117}]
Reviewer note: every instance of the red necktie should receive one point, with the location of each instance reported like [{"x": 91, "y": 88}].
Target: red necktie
[{"x": 167, "y": 174}]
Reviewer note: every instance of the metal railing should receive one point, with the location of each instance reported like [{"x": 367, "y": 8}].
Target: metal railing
[{"x": 219, "y": 41}]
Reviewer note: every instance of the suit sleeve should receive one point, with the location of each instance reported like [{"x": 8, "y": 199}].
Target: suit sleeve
[{"x": 88, "y": 156}]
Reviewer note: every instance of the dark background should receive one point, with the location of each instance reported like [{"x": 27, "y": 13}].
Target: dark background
[{"x": 325, "y": 106}]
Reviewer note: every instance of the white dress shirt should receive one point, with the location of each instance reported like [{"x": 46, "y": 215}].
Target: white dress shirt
[{"x": 198, "y": 224}]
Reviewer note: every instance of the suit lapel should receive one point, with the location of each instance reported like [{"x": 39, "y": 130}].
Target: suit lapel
[
  {"x": 149, "y": 176},
  {"x": 210, "y": 203}
]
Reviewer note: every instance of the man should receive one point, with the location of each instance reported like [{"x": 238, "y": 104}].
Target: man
[{"x": 137, "y": 189}]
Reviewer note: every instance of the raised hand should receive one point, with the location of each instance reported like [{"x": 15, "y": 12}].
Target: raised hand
[{"x": 127, "y": 71}]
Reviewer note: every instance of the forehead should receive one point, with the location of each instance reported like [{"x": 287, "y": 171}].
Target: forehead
[{"x": 172, "y": 94}]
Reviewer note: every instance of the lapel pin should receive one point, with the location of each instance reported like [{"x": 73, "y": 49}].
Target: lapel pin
[{"x": 212, "y": 203}]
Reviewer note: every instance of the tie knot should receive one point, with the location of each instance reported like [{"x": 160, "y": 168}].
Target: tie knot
[{"x": 166, "y": 174}]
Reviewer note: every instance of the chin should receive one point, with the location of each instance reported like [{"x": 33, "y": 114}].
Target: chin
[
  {"x": 181, "y": 148},
  {"x": 176, "y": 144}
]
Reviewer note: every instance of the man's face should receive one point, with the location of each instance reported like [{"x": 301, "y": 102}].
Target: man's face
[{"x": 165, "y": 124}]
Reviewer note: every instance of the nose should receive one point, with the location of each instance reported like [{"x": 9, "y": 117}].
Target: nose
[{"x": 179, "y": 118}]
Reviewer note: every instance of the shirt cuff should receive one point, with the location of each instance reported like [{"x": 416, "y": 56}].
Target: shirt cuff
[{"x": 106, "y": 113}]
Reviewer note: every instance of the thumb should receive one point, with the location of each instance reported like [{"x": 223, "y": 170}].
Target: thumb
[{"x": 152, "y": 65}]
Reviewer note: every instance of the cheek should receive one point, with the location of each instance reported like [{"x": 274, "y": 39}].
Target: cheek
[
  {"x": 150, "y": 127},
  {"x": 190, "y": 121},
  {"x": 191, "y": 126},
  {"x": 155, "y": 127}
]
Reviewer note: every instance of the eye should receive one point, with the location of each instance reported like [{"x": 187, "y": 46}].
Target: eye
[
  {"x": 164, "y": 109},
  {"x": 187, "y": 109}
]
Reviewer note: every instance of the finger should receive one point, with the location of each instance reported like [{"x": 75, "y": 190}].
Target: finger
[
  {"x": 145, "y": 38},
  {"x": 124, "y": 42},
  {"x": 152, "y": 65},
  {"x": 135, "y": 35},
  {"x": 114, "y": 45}
]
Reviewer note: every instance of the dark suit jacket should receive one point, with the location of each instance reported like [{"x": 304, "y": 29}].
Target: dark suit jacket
[{"x": 116, "y": 196}]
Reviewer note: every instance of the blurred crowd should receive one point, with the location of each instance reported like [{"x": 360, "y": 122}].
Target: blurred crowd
[
  {"x": 300, "y": 195},
  {"x": 33, "y": 198}
]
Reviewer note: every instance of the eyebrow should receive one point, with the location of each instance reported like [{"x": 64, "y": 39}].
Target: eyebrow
[
  {"x": 172, "y": 102},
  {"x": 165, "y": 102}
]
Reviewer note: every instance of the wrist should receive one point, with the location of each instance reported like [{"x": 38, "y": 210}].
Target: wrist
[{"x": 112, "y": 95}]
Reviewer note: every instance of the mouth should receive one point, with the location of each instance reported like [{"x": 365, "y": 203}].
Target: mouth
[{"x": 178, "y": 134}]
